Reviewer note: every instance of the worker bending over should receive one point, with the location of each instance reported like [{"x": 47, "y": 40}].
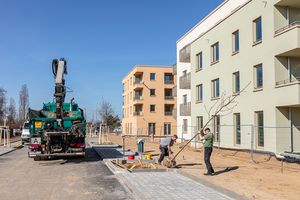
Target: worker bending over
[{"x": 165, "y": 147}]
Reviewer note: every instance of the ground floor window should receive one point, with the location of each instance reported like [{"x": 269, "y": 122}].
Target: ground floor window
[
  {"x": 167, "y": 129},
  {"x": 260, "y": 128},
  {"x": 185, "y": 126},
  {"x": 216, "y": 127},
  {"x": 199, "y": 122},
  {"x": 151, "y": 128},
  {"x": 237, "y": 128}
]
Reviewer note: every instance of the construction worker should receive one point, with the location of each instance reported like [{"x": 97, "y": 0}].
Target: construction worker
[
  {"x": 208, "y": 139},
  {"x": 165, "y": 147}
]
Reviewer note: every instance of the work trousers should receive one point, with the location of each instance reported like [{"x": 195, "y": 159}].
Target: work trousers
[
  {"x": 164, "y": 151},
  {"x": 207, "y": 155}
]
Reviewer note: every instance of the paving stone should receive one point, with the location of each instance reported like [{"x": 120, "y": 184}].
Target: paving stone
[{"x": 169, "y": 185}]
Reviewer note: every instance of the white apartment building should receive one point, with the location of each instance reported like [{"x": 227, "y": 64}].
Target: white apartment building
[
  {"x": 247, "y": 42},
  {"x": 184, "y": 120}
]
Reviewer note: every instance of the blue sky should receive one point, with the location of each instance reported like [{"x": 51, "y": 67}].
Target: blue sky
[{"x": 101, "y": 40}]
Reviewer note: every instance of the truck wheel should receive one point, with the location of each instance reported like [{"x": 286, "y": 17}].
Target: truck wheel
[{"x": 37, "y": 158}]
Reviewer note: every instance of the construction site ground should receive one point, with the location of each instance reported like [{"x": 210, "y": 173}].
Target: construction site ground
[{"x": 263, "y": 179}]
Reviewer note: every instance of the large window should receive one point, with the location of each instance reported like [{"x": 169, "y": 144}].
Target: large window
[
  {"x": 185, "y": 126},
  {"x": 152, "y": 76},
  {"x": 260, "y": 128},
  {"x": 216, "y": 127},
  {"x": 199, "y": 122},
  {"x": 215, "y": 53},
  {"x": 151, "y": 128},
  {"x": 167, "y": 128},
  {"x": 199, "y": 93},
  {"x": 235, "y": 42},
  {"x": 184, "y": 99},
  {"x": 236, "y": 82},
  {"x": 199, "y": 61},
  {"x": 257, "y": 26},
  {"x": 237, "y": 128},
  {"x": 215, "y": 88},
  {"x": 185, "y": 54},
  {"x": 258, "y": 76}
]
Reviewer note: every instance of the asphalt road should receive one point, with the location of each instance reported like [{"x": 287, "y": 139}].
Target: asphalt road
[{"x": 86, "y": 178}]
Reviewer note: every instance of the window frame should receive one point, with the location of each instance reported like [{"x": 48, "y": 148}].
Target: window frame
[
  {"x": 199, "y": 93},
  {"x": 215, "y": 53},
  {"x": 236, "y": 42},
  {"x": 256, "y": 34},
  {"x": 215, "y": 93},
  {"x": 199, "y": 58},
  {"x": 153, "y": 95},
  {"x": 259, "y": 128},
  {"x": 151, "y": 78},
  {"x": 152, "y": 106},
  {"x": 256, "y": 77},
  {"x": 237, "y": 129},
  {"x": 234, "y": 77}
]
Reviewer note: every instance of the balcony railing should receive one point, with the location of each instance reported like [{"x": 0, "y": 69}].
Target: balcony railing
[
  {"x": 169, "y": 97},
  {"x": 137, "y": 113},
  {"x": 185, "y": 109},
  {"x": 175, "y": 69},
  {"x": 169, "y": 81},
  {"x": 185, "y": 81},
  {"x": 136, "y": 82},
  {"x": 138, "y": 98},
  {"x": 168, "y": 113},
  {"x": 174, "y": 91},
  {"x": 287, "y": 81},
  {"x": 293, "y": 24}
]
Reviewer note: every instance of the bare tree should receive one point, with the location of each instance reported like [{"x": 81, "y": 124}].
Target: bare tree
[
  {"x": 223, "y": 106},
  {"x": 23, "y": 103},
  {"x": 2, "y": 105},
  {"x": 105, "y": 111},
  {"x": 11, "y": 113}
]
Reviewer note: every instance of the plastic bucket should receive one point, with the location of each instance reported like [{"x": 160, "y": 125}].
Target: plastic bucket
[
  {"x": 131, "y": 157},
  {"x": 148, "y": 157}
]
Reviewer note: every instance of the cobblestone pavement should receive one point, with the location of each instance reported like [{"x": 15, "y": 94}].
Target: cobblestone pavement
[{"x": 169, "y": 185}]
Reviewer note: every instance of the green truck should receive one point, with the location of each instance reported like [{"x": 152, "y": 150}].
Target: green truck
[{"x": 59, "y": 128}]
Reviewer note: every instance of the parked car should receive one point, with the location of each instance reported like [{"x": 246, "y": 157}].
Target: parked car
[{"x": 25, "y": 136}]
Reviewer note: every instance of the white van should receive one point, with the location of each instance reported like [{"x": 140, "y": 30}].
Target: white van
[{"x": 25, "y": 133}]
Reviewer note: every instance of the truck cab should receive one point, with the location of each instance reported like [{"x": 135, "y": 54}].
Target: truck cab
[{"x": 25, "y": 135}]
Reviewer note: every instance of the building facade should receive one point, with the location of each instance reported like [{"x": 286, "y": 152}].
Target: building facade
[
  {"x": 148, "y": 101},
  {"x": 256, "y": 44},
  {"x": 184, "y": 120}
]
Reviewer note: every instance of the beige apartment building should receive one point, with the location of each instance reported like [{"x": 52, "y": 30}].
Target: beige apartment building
[
  {"x": 149, "y": 105},
  {"x": 257, "y": 43}
]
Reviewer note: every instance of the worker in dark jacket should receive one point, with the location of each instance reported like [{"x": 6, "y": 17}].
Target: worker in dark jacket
[
  {"x": 208, "y": 139},
  {"x": 165, "y": 147}
]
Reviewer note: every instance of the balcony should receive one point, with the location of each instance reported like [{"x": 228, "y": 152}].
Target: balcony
[
  {"x": 185, "y": 81},
  {"x": 138, "y": 113},
  {"x": 286, "y": 28},
  {"x": 169, "y": 81},
  {"x": 169, "y": 97},
  {"x": 174, "y": 91},
  {"x": 137, "y": 100},
  {"x": 175, "y": 69},
  {"x": 185, "y": 109},
  {"x": 287, "y": 41},
  {"x": 288, "y": 3},
  {"x": 168, "y": 113}
]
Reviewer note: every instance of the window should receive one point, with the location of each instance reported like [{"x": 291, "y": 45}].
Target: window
[
  {"x": 167, "y": 128},
  {"x": 257, "y": 26},
  {"x": 152, "y": 108},
  {"x": 215, "y": 88},
  {"x": 185, "y": 126},
  {"x": 152, "y": 92},
  {"x": 216, "y": 127},
  {"x": 184, "y": 99},
  {"x": 235, "y": 42},
  {"x": 169, "y": 79},
  {"x": 260, "y": 128},
  {"x": 199, "y": 93},
  {"x": 152, "y": 76},
  {"x": 151, "y": 128},
  {"x": 199, "y": 61},
  {"x": 258, "y": 76},
  {"x": 237, "y": 128},
  {"x": 184, "y": 73},
  {"x": 215, "y": 53},
  {"x": 199, "y": 123},
  {"x": 236, "y": 82}
]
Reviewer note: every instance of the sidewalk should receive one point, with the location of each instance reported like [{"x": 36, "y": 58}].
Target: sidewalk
[
  {"x": 13, "y": 146},
  {"x": 160, "y": 185}
]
